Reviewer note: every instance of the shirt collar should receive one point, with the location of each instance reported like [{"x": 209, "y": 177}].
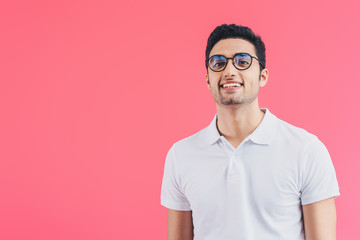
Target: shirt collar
[{"x": 263, "y": 134}]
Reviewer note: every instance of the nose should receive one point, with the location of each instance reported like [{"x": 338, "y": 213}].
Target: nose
[{"x": 230, "y": 70}]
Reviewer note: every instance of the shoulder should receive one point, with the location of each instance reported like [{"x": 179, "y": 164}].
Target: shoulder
[
  {"x": 294, "y": 134},
  {"x": 292, "y": 140},
  {"x": 193, "y": 141}
]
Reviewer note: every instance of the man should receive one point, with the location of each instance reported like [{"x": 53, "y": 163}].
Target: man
[{"x": 248, "y": 175}]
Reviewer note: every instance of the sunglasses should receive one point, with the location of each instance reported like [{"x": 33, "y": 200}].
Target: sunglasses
[{"x": 241, "y": 61}]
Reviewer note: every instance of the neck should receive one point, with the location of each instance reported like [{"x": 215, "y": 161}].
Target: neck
[{"x": 236, "y": 123}]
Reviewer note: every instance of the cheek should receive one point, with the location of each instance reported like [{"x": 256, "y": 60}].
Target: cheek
[
  {"x": 251, "y": 78},
  {"x": 214, "y": 80}
]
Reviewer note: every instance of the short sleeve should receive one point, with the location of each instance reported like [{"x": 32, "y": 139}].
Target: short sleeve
[
  {"x": 318, "y": 174},
  {"x": 172, "y": 195}
]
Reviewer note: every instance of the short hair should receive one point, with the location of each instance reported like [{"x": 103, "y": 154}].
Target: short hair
[{"x": 225, "y": 31}]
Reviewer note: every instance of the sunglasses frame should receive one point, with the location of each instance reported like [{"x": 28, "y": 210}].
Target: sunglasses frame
[{"x": 233, "y": 58}]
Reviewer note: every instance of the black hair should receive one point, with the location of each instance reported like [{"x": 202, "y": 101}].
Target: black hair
[{"x": 225, "y": 31}]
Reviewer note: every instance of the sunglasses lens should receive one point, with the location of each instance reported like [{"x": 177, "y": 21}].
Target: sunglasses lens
[
  {"x": 217, "y": 63},
  {"x": 242, "y": 61}
]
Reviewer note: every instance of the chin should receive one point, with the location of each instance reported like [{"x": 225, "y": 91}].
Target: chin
[{"x": 230, "y": 101}]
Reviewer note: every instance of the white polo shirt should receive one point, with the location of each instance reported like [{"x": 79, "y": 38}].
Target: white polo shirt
[{"x": 253, "y": 192}]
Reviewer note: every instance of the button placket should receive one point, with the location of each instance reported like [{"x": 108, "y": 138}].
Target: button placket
[{"x": 235, "y": 164}]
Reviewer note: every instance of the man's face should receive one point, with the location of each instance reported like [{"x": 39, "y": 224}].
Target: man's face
[{"x": 251, "y": 78}]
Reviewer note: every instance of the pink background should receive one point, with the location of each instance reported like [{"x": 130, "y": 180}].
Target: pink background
[{"x": 94, "y": 93}]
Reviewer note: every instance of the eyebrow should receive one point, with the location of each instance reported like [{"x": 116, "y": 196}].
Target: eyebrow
[{"x": 232, "y": 56}]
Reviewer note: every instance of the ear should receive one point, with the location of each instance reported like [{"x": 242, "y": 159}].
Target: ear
[
  {"x": 207, "y": 81},
  {"x": 264, "y": 77}
]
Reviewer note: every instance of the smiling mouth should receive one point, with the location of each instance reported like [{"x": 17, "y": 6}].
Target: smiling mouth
[{"x": 231, "y": 85}]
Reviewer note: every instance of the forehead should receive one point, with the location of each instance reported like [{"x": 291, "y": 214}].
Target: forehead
[{"x": 228, "y": 47}]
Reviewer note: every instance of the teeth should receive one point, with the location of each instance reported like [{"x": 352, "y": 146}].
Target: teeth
[{"x": 227, "y": 85}]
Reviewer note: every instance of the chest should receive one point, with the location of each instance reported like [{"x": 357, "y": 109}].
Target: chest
[{"x": 256, "y": 181}]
